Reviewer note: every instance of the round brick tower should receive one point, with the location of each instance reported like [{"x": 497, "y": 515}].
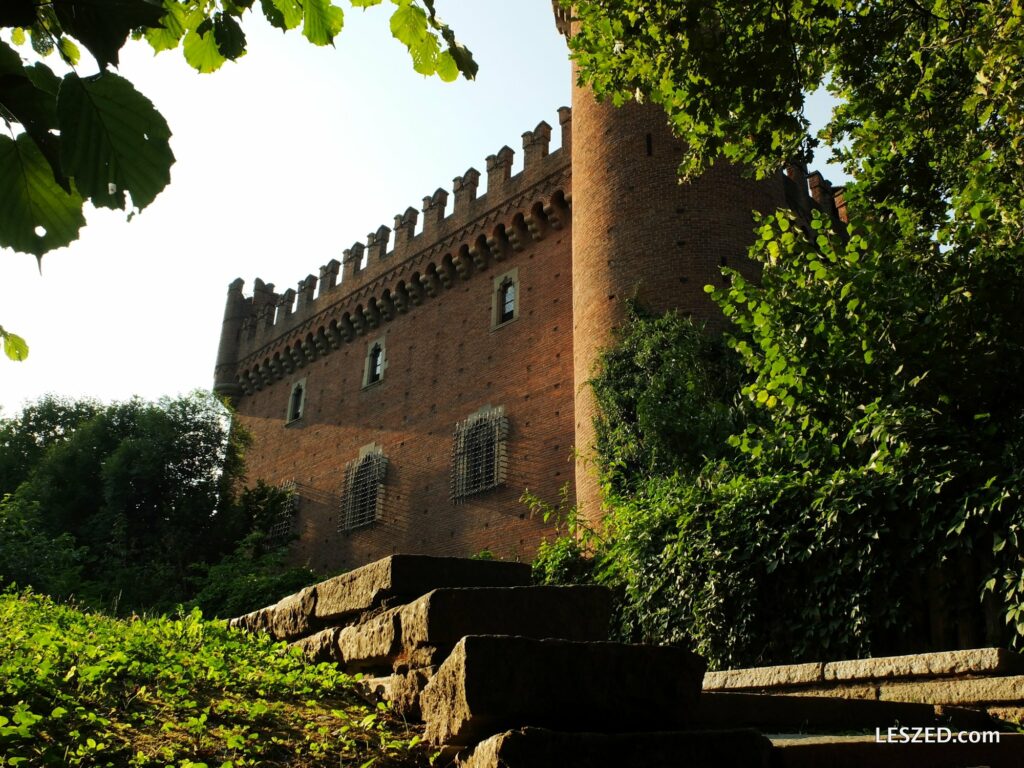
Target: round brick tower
[{"x": 638, "y": 233}]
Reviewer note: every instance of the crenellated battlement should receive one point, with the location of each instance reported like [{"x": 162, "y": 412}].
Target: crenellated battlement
[{"x": 400, "y": 267}]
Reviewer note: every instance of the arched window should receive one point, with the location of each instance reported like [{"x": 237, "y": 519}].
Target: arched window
[
  {"x": 506, "y": 301},
  {"x": 296, "y": 401},
  {"x": 376, "y": 362},
  {"x": 505, "y": 298}
]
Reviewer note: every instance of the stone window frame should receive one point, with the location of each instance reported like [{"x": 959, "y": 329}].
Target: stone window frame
[
  {"x": 467, "y": 457},
  {"x": 293, "y": 414},
  {"x": 380, "y": 341},
  {"x": 497, "y": 305},
  {"x": 362, "y": 491}
]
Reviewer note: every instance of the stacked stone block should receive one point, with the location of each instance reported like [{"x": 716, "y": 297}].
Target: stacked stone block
[{"x": 507, "y": 675}]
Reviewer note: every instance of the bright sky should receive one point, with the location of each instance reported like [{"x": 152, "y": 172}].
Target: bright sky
[{"x": 284, "y": 159}]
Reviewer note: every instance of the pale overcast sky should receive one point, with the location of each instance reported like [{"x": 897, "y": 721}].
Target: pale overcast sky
[{"x": 284, "y": 159}]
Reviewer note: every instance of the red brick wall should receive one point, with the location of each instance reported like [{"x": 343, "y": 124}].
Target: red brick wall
[{"x": 444, "y": 361}]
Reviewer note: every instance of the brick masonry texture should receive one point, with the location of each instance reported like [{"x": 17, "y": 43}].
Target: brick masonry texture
[{"x": 598, "y": 221}]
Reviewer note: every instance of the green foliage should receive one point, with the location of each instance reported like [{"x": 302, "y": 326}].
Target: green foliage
[
  {"x": 15, "y": 347},
  {"x": 864, "y": 504},
  {"x": 869, "y": 497},
  {"x": 564, "y": 559},
  {"x": 256, "y": 573},
  {"x": 100, "y": 140},
  {"x": 139, "y": 503},
  {"x": 664, "y": 395},
  {"x": 82, "y": 689}
]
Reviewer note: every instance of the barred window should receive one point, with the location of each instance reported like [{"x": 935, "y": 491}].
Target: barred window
[
  {"x": 479, "y": 455},
  {"x": 363, "y": 492},
  {"x": 283, "y": 525}
]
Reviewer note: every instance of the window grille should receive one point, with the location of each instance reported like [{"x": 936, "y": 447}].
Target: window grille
[
  {"x": 479, "y": 454},
  {"x": 283, "y": 524},
  {"x": 363, "y": 491}
]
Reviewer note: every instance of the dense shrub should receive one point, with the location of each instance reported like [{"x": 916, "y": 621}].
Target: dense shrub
[{"x": 854, "y": 490}]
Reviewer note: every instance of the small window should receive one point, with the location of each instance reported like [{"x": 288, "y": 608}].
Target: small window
[
  {"x": 363, "y": 491},
  {"x": 376, "y": 363},
  {"x": 507, "y": 301},
  {"x": 505, "y": 298},
  {"x": 296, "y": 401},
  {"x": 479, "y": 455}
]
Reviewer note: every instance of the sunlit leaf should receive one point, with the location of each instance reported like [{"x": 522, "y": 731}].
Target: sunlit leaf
[
  {"x": 14, "y": 346},
  {"x": 321, "y": 21},
  {"x": 36, "y": 215},
  {"x": 113, "y": 141}
]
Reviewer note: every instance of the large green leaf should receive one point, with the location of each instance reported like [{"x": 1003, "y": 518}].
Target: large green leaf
[
  {"x": 175, "y": 23},
  {"x": 201, "y": 50},
  {"x": 36, "y": 215},
  {"x": 321, "y": 21},
  {"x": 28, "y": 97},
  {"x": 102, "y": 26},
  {"x": 229, "y": 36},
  {"x": 283, "y": 14},
  {"x": 113, "y": 140},
  {"x": 14, "y": 346},
  {"x": 17, "y": 13}
]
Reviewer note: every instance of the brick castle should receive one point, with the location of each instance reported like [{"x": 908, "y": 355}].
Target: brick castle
[{"x": 411, "y": 392}]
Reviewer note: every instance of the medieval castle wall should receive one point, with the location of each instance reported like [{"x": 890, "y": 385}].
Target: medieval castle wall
[
  {"x": 429, "y": 301},
  {"x": 413, "y": 391}
]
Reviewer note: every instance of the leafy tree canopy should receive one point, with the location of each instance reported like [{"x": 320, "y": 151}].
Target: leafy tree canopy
[
  {"x": 136, "y": 505},
  {"x": 869, "y": 497},
  {"x": 96, "y": 138}
]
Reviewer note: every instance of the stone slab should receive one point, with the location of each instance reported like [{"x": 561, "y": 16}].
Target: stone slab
[
  {"x": 975, "y": 662},
  {"x": 444, "y": 616},
  {"x": 406, "y": 577},
  {"x": 541, "y": 748},
  {"x": 765, "y": 677},
  {"x": 372, "y": 644},
  {"x": 292, "y": 617},
  {"x": 401, "y": 690},
  {"x": 861, "y": 751},
  {"x": 855, "y": 691},
  {"x": 493, "y": 683},
  {"x": 964, "y": 691},
  {"x": 971, "y": 663},
  {"x": 778, "y": 713},
  {"x": 322, "y": 646}
]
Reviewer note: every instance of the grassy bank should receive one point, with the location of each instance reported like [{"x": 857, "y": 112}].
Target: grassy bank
[{"x": 83, "y": 689}]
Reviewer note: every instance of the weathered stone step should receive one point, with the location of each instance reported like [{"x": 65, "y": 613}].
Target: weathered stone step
[
  {"x": 541, "y": 748},
  {"x": 978, "y": 662},
  {"x": 392, "y": 581},
  {"x": 799, "y": 714},
  {"x": 422, "y": 633},
  {"x": 492, "y": 683},
  {"x": 866, "y": 752}
]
